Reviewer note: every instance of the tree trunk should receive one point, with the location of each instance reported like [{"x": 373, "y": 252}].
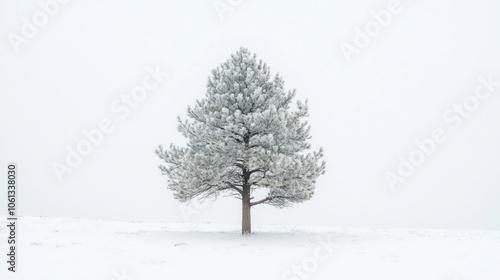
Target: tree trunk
[{"x": 246, "y": 224}]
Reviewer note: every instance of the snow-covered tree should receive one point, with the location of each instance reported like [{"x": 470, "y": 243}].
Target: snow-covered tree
[{"x": 244, "y": 136}]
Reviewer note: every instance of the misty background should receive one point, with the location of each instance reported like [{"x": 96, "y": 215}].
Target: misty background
[{"x": 365, "y": 112}]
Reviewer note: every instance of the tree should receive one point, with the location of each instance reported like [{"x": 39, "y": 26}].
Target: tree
[{"x": 244, "y": 136}]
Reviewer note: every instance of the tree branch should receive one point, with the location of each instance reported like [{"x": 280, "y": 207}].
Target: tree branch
[
  {"x": 232, "y": 186},
  {"x": 260, "y": 201},
  {"x": 269, "y": 198}
]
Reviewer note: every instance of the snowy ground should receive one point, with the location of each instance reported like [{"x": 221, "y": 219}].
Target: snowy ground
[{"x": 62, "y": 248}]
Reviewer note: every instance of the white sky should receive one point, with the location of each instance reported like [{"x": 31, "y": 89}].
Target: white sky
[{"x": 365, "y": 113}]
